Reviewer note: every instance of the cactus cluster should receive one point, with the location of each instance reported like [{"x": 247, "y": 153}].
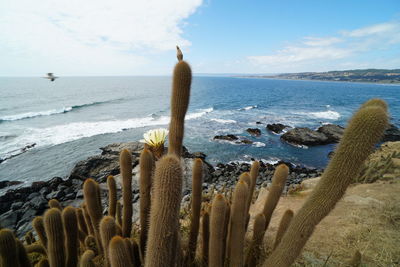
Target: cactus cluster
[{"x": 218, "y": 222}]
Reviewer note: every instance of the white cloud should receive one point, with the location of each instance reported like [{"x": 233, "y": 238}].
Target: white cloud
[
  {"x": 120, "y": 34},
  {"x": 322, "y": 53}
]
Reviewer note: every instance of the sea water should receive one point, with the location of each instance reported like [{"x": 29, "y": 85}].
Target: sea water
[{"x": 69, "y": 119}]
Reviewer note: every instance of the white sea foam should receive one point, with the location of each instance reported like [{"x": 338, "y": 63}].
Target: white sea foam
[
  {"x": 199, "y": 113},
  {"x": 259, "y": 144},
  {"x": 329, "y": 114},
  {"x": 35, "y": 114},
  {"x": 248, "y": 107},
  {"x": 223, "y": 121}
]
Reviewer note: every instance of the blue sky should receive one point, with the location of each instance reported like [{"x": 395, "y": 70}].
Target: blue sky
[{"x": 125, "y": 37}]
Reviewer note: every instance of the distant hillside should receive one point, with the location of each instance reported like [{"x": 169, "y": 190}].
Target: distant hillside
[{"x": 366, "y": 75}]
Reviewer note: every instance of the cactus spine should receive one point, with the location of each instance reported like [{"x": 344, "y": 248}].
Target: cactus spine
[
  {"x": 258, "y": 235},
  {"x": 146, "y": 166},
  {"x": 112, "y": 196},
  {"x": 255, "y": 167},
  {"x": 356, "y": 260},
  {"x": 88, "y": 221},
  {"x": 53, "y": 203},
  {"x": 118, "y": 253},
  {"x": 8, "y": 249},
  {"x": 22, "y": 255},
  {"x": 217, "y": 221},
  {"x": 278, "y": 183},
  {"x": 87, "y": 259},
  {"x": 90, "y": 243},
  {"x": 55, "y": 237},
  {"x": 125, "y": 162},
  {"x": 81, "y": 221},
  {"x": 283, "y": 225},
  {"x": 182, "y": 79},
  {"x": 91, "y": 192},
  {"x": 205, "y": 234},
  {"x": 70, "y": 222},
  {"x": 363, "y": 132},
  {"x": 164, "y": 214},
  {"x": 108, "y": 230},
  {"x": 38, "y": 248},
  {"x": 37, "y": 224},
  {"x": 197, "y": 176}
]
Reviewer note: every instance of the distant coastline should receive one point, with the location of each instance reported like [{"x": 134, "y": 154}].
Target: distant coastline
[{"x": 383, "y": 76}]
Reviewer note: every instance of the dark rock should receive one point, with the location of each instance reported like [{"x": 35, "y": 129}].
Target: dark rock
[
  {"x": 39, "y": 203},
  {"x": 16, "y": 205},
  {"x": 9, "y": 219},
  {"x": 245, "y": 141},
  {"x": 115, "y": 149},
  {"x": 259, "y": 122},
  {"x": 7, "y": 183},
  {"x": 276, "y": 127},
  {"x": 33, "y": 195},
  {"x": 56, "y": 195},
  {"x": 332, "y": 131},
  {"x": 392, "y": 133},
  {"x": 254, "y": 131},
  {"x": 305, "y": 136},
  {"x": 228, "y": 137}
]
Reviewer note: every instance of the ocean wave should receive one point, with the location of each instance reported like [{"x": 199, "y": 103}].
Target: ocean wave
[
  {"x": 223, "y": 121},
  {"x": 248, "y": 107},
  {"x": 63, "y": 133},
  {"x": 329, "y": 114},
  {"x": 259, "y": 144},
  {"x": 49, "y": 112},
  {"x": 199, "y": 113}
]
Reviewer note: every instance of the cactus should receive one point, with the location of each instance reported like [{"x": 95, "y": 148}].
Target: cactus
[
  {"x": 22, "y": 255},
  {"x": 146, "y": 166},
  {"x": 118, "y": 253},
  {"x": 217, "y": 222},
  {"x": 237, "y": 224},
  {"x": 197, "y": 176},
  {"x": 70, "y": 222},
  {"x": 53, "y": 203},
  {"x": 164, "y": 214},
  {"x": 112, "y": 196},
  {"x": 37, "y": 224},
  {"x": 91, "y": 192},
  {"x": 356, "y": 260},
  {"x": 108, "y": 230},
  {"x": 8, "y": 249},
  {"x": 283, "y": 225},
  {"x": 278, "y": 183},
  {"x": 226, "y": 227},
  {"x": 87, "y": 259},
  {"x": 205, "y": 236},
  {"x": 88, "y": 221},
  {"x": 129, "y": 247},
  {"x": 81, "y": 221},
  {"x": 125, "y": 163},
  {"x": 364, "y": 130},
  {"x": 43, "y": 263},
  {"x": 28, "y": 239},
  {"x": 254, "y": 252},
  {"x": 55, "y": 237},
  {"x": 37, "y": 248},
  {"x": 182, "y": 79},
  {"x": 136, "y": 253},
  {"x": 253, "y": 179},
  {"x": 118, "y": 214},
  {"x": 90, "y": 244}
]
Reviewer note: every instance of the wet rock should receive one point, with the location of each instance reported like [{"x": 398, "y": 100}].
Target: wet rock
[
  {"x": 276, "y": 127},
  {"x": 7, "y": 183},
  {"x": 9, "y": 219},
  {"x": 305, "y": 136},
  {"x": 254, "y": 131},
  {"x": 332, "y": 131},
  {"x": 228, "y": 137},
  {"x": 392, "y": 133}
]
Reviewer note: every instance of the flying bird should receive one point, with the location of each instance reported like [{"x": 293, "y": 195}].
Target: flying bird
[
  {"x": 179, "y": 54},
  {"x": 50, "y": 76}
]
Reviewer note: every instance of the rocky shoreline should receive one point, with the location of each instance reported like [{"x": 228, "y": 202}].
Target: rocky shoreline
[{"x": 20, "y": 205}]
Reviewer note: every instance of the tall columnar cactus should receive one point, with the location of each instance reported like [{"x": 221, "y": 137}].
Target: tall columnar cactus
[
  {"x": 118, "y": 253},
  {"x": 88, "y": 220},
  {"x": 125, "y": 163},
  {"x": 146, "y": 167},
  {"x": 283, "y": 225},
  {"x": 87, "y": 259},
  {"x": 136, "y": 253},
  {"x": 254, "y": 251},
  {"x": 38, "y": 225},
  {"x": 363, "y": 131},
  {"x": 278, "y": 183},
  {"x": 217, "y": 221},
  {"x": 237, "y": 224},
  {"x": 53, "y": 203},
  {"x": 90, "y": 244},
  {"x": 118, "y": 214},
  {"x": 197, "y": 177},
  {"x": 182, "y": 79},
  {"x": 55, "y": 237},
  {"x": 129, "y": 247},
  {"x": 22, "y": 255},
  {"x": 108, "y": 229},
  {"x": 164, "y": 214},
  {"x": 91, "y": 192},
  {"x": 81, "y": 221},
  {"x": 70, "y": 222},
  {"x": 36, "y": 247},
  {"x": 43, "y": 263},
  {"x": 205, "y": 236},
  {"x": 8, "y": 249},
  {"x": 226, "y": 227},
  {"x": 255, "y": 167},
  {"x": 112, "y": 196}
]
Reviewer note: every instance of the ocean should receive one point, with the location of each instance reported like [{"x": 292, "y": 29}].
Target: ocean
[{"x": 69, "y": 119}]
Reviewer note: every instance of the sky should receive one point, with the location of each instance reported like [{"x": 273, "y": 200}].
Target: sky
[{"x": 130, "y": 37}]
